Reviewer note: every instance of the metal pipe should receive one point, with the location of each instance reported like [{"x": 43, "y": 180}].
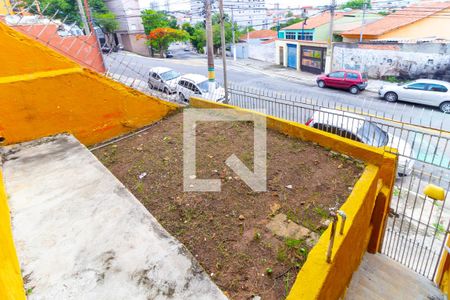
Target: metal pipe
[
  {"x": 333, "y": 233},
  {"x": 344, "y": 218}
]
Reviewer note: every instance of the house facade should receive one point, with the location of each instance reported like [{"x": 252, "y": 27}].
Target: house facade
[
  {"x": 317, "y": 28},
  {"x": 128, "y": 13},
  {"x": 418, "y": 21},
  {"x": 246, "y": 13}
]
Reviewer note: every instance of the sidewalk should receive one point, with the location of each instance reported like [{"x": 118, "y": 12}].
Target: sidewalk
[{"x": 291, "y": 74}]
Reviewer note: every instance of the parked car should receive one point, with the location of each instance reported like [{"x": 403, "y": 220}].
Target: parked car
[
  {"x": 168, "y": 54},
  {"x": 421, "y": 91},
  {"x": 359, "y": 129},
  {"x": 198, "y": 85},
  {"x": 163, "y": 79},
  {"x": 353, "y": 81}
]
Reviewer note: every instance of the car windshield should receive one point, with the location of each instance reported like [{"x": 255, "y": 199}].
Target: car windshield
[
  {"x": 372, "y": 135},
  {"x": 169, "y": 75},
  {"x": 203, "y": 86}
]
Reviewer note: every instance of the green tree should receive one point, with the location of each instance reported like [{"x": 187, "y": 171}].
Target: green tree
[
  {"x": 188, "y": 28},
  {"x": 356, "y": 4},
  {"x": 65, "y": 9},
  {"x": 152, "y": 19},
  {"x": 161, "y": 38}
]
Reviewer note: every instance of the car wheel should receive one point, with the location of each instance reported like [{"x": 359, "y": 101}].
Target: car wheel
[
  {"x": 391, "y": 97},
  {"x": 445, "y": 107},
  {"x": 321, "y": 84},
  {"x": 182, "y": 98},
  {"x": 354, "y": 90}
]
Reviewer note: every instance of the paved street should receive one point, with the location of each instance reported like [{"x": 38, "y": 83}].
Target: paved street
[{"x": 135, "y": 66}]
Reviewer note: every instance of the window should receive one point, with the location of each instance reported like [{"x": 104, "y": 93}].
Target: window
[
  {"x": 305, "y": 36},
  {"x": 182, "y": 83},
  {"x": 373, "y": 135},
  {"x": 417, "y": 86},
  {"x": 290, "y": 35},
  {"x": 352, "y": 76},
  {"x": 154, "y": 75},
  {"x": 336, "y": 75},
  {"x": 437, "y": 88},
  {"x": 337, "y": 130}
]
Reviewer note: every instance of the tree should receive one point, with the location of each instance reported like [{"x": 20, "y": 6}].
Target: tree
[
  {"x": 161, "y": 38},
  {"x": 356, "y": 4},
  {"x": 65, "y": 9},
  {"x": 152, "y": 19},
  {"x": 289, "y": 14},
  {"x": 288, "y": 23}
]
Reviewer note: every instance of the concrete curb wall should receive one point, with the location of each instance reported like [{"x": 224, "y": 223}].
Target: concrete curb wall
[
  {"x": 11, "y": 283},
  {"x": 366, "y": 209}
]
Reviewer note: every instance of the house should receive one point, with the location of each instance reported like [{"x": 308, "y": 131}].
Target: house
[
  {"x": 317, "y": 28},
  {"x": 246, "y": 13},
  {"x": 422, "y": 20},
  {"x": 130, "y": 25},
  {"x": 258, "y": 44}
]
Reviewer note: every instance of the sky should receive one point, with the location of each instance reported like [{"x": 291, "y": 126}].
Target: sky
[{"x": 184, "y": 4}]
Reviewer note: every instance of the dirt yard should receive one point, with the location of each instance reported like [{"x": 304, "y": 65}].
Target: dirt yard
[{"x": 249, "y": 243}]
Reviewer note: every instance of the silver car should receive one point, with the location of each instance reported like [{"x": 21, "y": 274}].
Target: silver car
[
  {"x": 163, "y": 79},
  {"x": 421, "y": 91},
  {"x": 359, "y": 129}
]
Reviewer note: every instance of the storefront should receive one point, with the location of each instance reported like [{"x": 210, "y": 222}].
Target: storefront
[{"x": 312, "y": 59}]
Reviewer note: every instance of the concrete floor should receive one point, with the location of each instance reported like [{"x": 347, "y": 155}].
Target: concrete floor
[{"x": 80, "y": 234}]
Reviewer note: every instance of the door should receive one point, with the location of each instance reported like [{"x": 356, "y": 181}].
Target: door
[
  {"x": 413, "y": 92},
  {"x": 281, "y": 51},
  {"x": 435, "y": 94},
  {"x": 351, "y": 79},
  {"x": 292, "y": 56},
  {"x": 336, "y": 79}
]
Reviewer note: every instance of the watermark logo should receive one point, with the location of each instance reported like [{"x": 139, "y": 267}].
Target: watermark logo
[{"x": 256, "y": 180}]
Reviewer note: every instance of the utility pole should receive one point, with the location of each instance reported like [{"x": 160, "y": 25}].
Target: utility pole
[
  {"x": 224, "y": 53},
  {"x": 210, "y": 47},
  {"x": 234, "y": 38},
  {"x": 88, "y": 15},
  {"x": 83, "y": 17},
  {"x": 330, "y": 37},
  {"x": 363, "y": 21}
]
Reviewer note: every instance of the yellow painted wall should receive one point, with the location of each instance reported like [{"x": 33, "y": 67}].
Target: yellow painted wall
[
  {"x": 366, "y": 209},
  {"x": 435, "y": 25},
  {"x": 44, "y": 93},
  {"x": 11, "y": 284},
  {"x": 5, "y": 7}
]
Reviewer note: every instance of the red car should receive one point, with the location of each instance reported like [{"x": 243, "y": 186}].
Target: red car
[{"x": 353, "y": 81}]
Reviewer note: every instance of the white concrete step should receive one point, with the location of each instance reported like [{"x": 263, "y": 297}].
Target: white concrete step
[
  {"x": 80, "y": 234},
  {"x": 381, "y": 278}
]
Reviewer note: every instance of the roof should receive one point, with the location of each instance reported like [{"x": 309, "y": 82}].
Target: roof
[
  {"x": 433, "y": 81},
  {"x": 401, "y": 18},
  {"x": 259, "y": 34},
  {"x": 197, "y": 78},
  {"x": 315, "y": 21}
]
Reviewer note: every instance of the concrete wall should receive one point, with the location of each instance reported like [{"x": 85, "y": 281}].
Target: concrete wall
[
  {"x": 405, "y": 61},
  {"x": 11, "y": 283},
  {"x": 263, "y": 52},
  {"x": 367, "y": 208},
  {"x": 44, "y": 93}
]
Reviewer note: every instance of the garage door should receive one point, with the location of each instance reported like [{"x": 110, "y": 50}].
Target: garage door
[{"x": 292, "y": 56}]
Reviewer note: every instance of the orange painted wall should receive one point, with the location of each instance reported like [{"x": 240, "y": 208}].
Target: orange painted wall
[{"x": 44, "y": 93}]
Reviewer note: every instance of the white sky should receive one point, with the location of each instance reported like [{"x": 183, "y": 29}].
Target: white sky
[{"x": 184, "y": 4}]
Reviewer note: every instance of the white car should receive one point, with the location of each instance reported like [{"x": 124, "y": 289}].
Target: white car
[
  {"x": 357, "y": 128},
  {"x": 163, "y": 79},
  {"x": 421, "y": 91},
  {"x": 198, "y": 85}
]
